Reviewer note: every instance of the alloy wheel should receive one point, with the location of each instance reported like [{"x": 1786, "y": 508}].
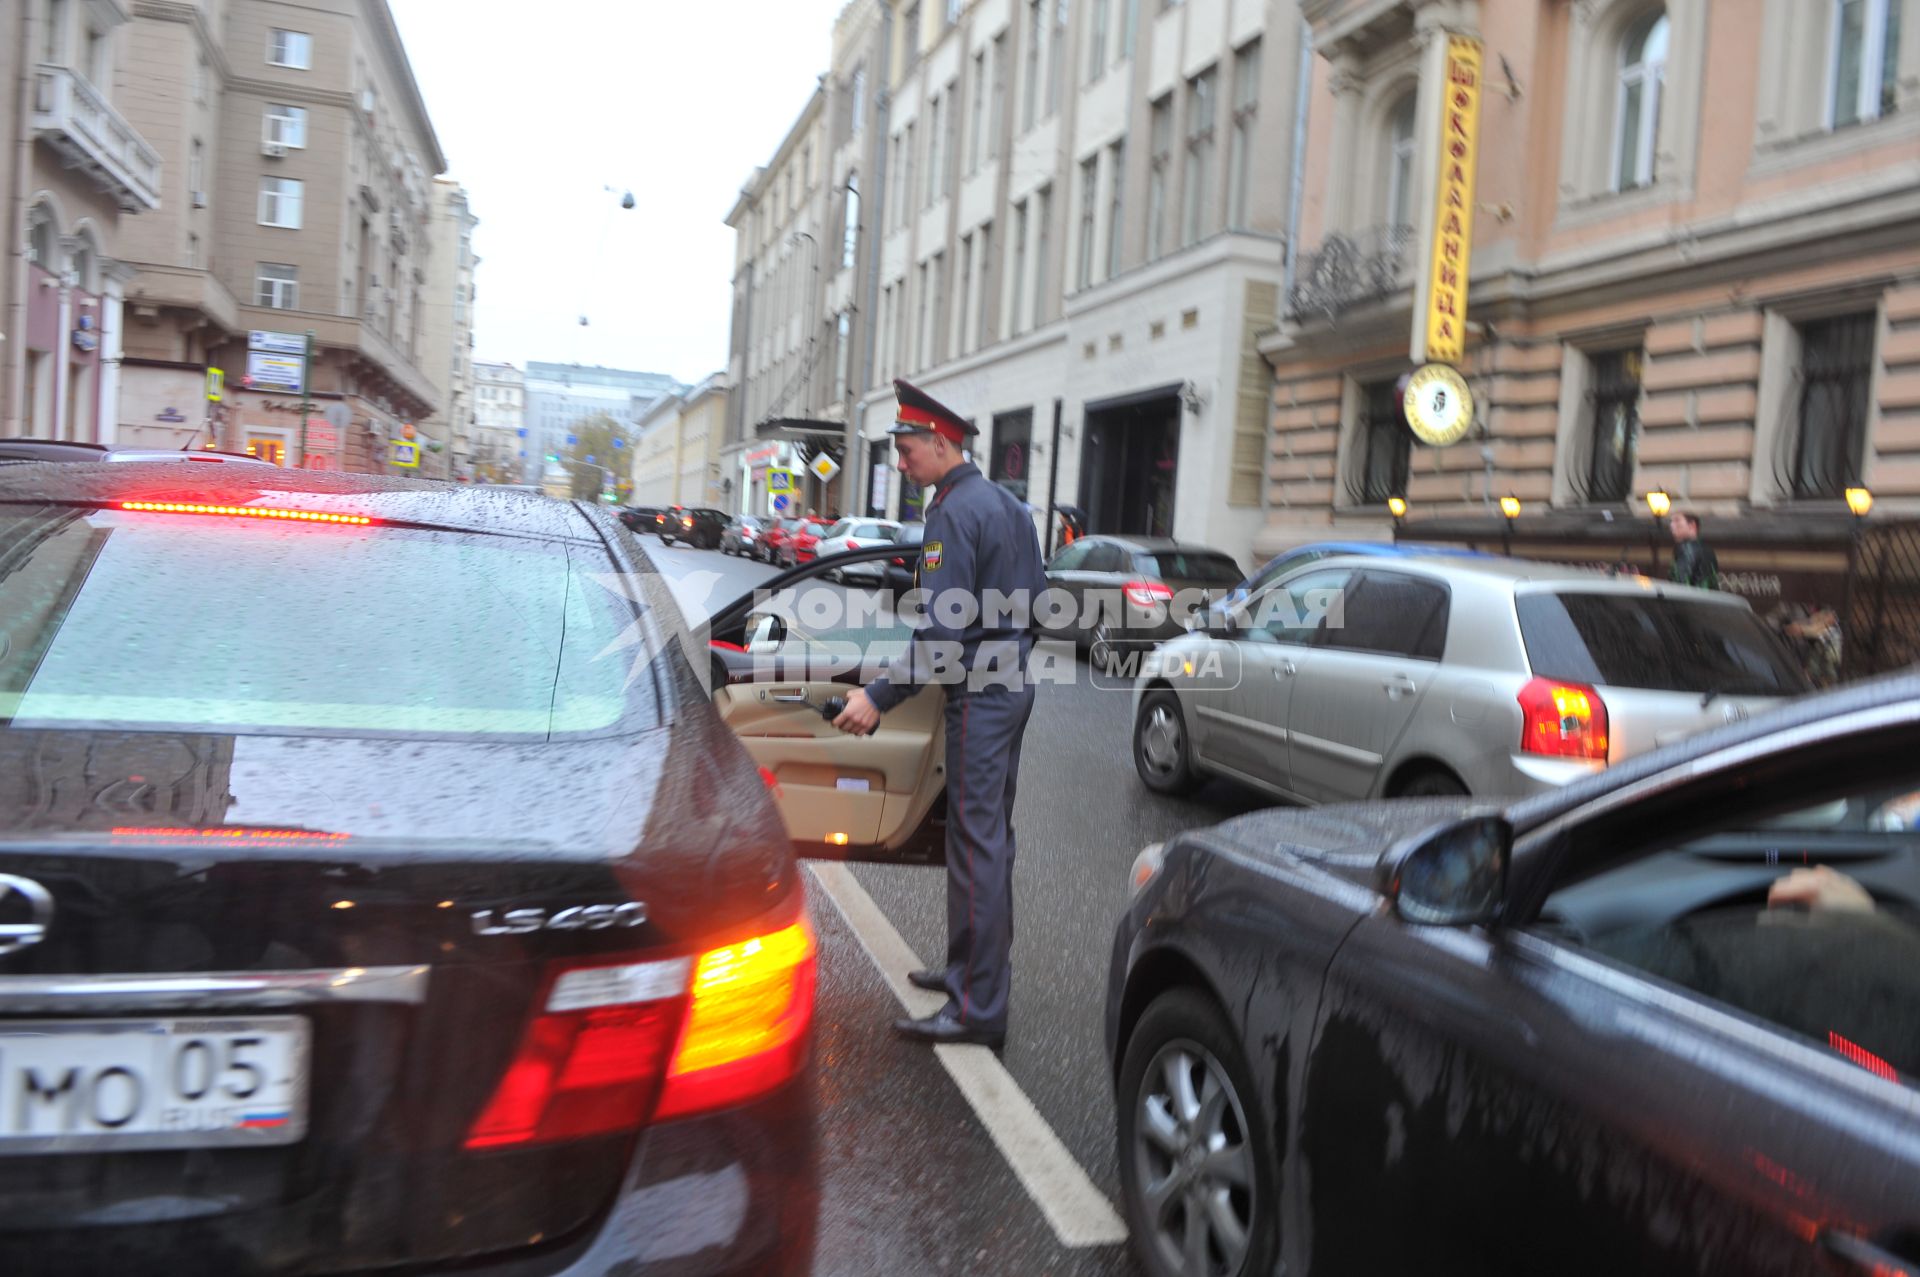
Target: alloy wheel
[
  {"x": 1160, "y": 740},
  {"x": 1195, "y": 1163}
]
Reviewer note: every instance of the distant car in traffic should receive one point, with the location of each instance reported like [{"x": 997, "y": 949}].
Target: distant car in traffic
[
  {"x": 1301, "y": 555},
  {"x": 69, "y": 450},
  {"x": 355, "y": 828},
  {"x": 641, "y": 518},
  {"x": 898, "y": 572},
  {"x": 742, "y": 535},
  {"x": 1130, "y": 593},
  {"x": 699, "y": 526},
  {"x": 857, "y": 534},
  {"x": 1367, "y": 677},
  {"x": 1660, "y": 1021},
  {"x": 802, "y": 542},
  {"x": 774, "y": 537}
]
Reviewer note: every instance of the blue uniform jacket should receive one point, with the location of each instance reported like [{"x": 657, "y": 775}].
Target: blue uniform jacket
[{"x": 980, "y": 547}]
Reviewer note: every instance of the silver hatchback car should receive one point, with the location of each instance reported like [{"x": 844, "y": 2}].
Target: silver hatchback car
[{"x": 1361, "y": 678}]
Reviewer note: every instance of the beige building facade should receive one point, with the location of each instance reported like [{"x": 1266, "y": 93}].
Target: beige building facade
[
  {"x": 79, "y": 177},
  {"x": 304, "y": 205},
  {"x": 1695, "y": 270},
  {"x": 447, "y": 328},
  {"x": 679, "y": 447},
  {"x": 500, "y": 422}
]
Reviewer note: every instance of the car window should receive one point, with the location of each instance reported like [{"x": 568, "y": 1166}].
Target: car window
[
  {"x": 113, "y": 620},
  {"x": 1105, "y": 557},
  {"x": 1293, "y": 611},
  {"x": 1070, "y": 559},
  {"x": 844, "y": 528},
  {"x": 911, "y": 534},
  {"x": 1807, "y": 918},
  {"x": 876, "y": 532},
  {"x": 1656, "y": 643},
  {"x": 1186, "y": 565},
  {"x": 1280, "y": 567},
  {"x": 1391, "y": 614}
]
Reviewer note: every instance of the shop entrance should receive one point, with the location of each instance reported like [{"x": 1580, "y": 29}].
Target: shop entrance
[{"x": 1129, "y": 461}]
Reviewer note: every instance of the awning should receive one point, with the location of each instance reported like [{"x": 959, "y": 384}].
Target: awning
[{"x": 801, "y": 430}]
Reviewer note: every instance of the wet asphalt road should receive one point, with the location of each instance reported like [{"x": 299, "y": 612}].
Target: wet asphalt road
[{"x": 913, "y": 1182}]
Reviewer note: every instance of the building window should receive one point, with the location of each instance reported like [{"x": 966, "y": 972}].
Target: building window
[
  {"x": 978, "y": 126},
  {"x": 1116, "y": 206},
  {"x": 1199, "y": 164},
  {"x": 910, "y": 31},
  {"x": 1246, "y": 113},
  {"x": 197, "y": 171},
  {"x": 1386, "y": 445},
  {"x": 1089, "y": 201},
  {"x": 957, "y": 344},
  {"x": 287, "y": 126},
  {"x": 1615, "y": 407},
  {"x": 1866, "y": 58},
  {"x": 1158, "y": 175},
  {"x": 1030, "y": 95},
  {"x": 1836, "y": 371},
  {"x": 1056, "y": 56},
  {"x": 193, "y": 251},
  {"x": 1643, "y": 69},
  {"x": 1016, "y": 317},
  {"x": 953, "y": 11},
  {"x": 276, "y": 286},
  {"x": 1097, "y": 41},
  {"x": 843, "y": 349},
  {"x": 55, "y": 49},
  {"x": 936, "y": 138},
  {"x": 984, "y": 255},
  {"x": 1400, "y": 164},
  {"x": 1129, "y": 23},
  {"x": 850, "y": 235},
  {"x": 290, "y": 49},
  {"x": 1042, "y": 254},
  {"x": 857, "y": 91},
  {"x": 280, "y": 201},
  {"x": 997, "y": 112},
  {"x": 950, "y": 151}
]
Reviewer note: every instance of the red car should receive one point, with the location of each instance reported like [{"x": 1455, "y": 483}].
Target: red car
[
  {"x": 802, "y": 543},
  {"x": 775, "y": 536}
]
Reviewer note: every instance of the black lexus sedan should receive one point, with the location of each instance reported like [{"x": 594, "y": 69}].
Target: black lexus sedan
[
  {"x": 1666, "y": 1020},
  {"x": 387, "y": 884}
]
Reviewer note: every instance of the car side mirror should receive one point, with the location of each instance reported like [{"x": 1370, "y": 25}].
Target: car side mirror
[
  {"x": 1452, "y": 876},
  {"x": 768, "y": 632}
]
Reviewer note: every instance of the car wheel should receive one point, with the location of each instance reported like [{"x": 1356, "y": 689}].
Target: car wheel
[
  {"x": 665, "y": 539},
  {"x": 1431, "y": 782},
  {"x": 1197, "y": 1176},
  {"x": 1100, "y": 653},
  {"x": 1160, "y": 749}
]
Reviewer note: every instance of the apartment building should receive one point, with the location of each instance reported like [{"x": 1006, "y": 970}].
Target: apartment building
[
  {"x": 446, "y": 339},
  {"x": 304, "y": 205},
  {"x": 80, "y": 176},
  {"x": 500, "y": 422},
  {"x": 1075, "y": 211},
  {"x": 678, "y": 449},
  {"x": 560, "y": 395},
  {"x": 1695, "y": 271}
]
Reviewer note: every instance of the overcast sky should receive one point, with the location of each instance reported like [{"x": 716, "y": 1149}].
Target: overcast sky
[{"x": 539, "y": 106}]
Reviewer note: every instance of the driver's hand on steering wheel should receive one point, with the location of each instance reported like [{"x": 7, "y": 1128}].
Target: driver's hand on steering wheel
[{"x": 1820, "y": 889}]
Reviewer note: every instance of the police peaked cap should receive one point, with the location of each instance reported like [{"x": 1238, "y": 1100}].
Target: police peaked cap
[{"x": 921, "y": 414}]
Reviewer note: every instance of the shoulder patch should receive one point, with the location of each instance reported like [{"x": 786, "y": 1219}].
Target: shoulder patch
[{"x": 930, "y": 556}]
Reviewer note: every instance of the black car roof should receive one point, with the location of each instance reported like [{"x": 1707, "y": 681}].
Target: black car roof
[{"x": 475, "y": 508}]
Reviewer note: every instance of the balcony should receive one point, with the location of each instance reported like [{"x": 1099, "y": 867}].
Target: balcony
[
  {"x": 72, "y": 116},
  {"x": 1351, "y": 270}
]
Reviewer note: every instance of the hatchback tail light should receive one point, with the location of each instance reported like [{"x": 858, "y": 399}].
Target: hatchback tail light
[
  {"x": 615, "y": 1042},
  {"x": 1562, "y": 720},
  {"x": 1147, "y": 593}
]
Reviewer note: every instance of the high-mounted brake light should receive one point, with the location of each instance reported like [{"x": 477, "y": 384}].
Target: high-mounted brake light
[
  {"x": 674, "y": 1037},
  {"x": 1147, "y": 594},
  {"x": 244, "y": 512},
  {"x": 1562, "y": 720}
]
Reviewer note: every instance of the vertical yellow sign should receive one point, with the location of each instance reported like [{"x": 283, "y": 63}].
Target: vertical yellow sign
[{"x": 1453, "y": 213}]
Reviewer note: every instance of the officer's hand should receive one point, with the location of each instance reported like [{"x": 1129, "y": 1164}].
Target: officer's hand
[
  {"x": 1820, "y": 889},
  {"x": 860, "y": 717}
]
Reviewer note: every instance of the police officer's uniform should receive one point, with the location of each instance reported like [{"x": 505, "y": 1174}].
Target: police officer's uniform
[{"x": 979, "y": 542}]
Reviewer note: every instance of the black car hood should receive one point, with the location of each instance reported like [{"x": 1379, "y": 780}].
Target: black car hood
[{"x": 1346, "y": 838}]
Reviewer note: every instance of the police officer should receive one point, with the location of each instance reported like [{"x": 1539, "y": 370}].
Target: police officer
[{"x": 979, "y": 552}]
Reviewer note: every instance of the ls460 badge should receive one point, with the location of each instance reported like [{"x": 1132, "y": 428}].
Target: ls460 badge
[{"x": 519, "y": 922}]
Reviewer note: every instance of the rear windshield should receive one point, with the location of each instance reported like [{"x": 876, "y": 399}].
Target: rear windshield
[
  {"x": 1180, "y": 565},
  {"x": 1659, "y": 644},
  {"x": 164, "y": 621}
]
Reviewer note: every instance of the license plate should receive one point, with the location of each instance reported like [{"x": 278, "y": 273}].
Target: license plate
[{"x": 75, "y": 1086}]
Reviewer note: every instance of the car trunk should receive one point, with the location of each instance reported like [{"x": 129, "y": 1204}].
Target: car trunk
[{"x": 409, "y": 1021}]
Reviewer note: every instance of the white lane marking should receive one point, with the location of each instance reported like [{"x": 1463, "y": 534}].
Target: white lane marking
[{"x": 1079, "y": 1213}]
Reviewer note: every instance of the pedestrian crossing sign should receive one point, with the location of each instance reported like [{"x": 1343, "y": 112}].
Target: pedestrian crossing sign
[{"x": 406, "y": 454}]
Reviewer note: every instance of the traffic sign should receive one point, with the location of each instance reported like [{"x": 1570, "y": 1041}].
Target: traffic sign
[
  {"x": 406, "y": 454},
  {"x": 782, "y": 480},
  {"x": 824, "y": 468},
  {"x": 216, "y": 384},
  {"x": 779, "y": 501},
  {"x": 277, "y": 343}
]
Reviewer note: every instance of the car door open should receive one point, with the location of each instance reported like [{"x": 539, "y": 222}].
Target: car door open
[{"x": 781, "y": 660}]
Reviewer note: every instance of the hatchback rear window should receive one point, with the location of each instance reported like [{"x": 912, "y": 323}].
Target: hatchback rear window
[
  {"x": 183, "y": 622},
  {"x": 1213, "y": 569},
  {"x": 1654, "y": 643}
]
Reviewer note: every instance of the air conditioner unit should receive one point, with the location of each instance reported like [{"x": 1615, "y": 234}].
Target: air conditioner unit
[
  {"x": 199, "y": 199},
  {"x": 273, "y": 150}
]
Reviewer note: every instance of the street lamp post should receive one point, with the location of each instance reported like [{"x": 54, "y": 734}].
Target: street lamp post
[
  {"x": 1859, "y": 504},
  {"x": 1510, "y": 510},
  {"x": 1658, "y": 504},
  {"x": 1397, "y": 506}
]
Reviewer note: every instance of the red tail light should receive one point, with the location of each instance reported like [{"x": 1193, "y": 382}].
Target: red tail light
[
  {"x": 674, "y": 1037},
  {"x": 244, "y": 512},
  {"x": 1147, "y": 594},
  {"x": 1563, "y": 720}
]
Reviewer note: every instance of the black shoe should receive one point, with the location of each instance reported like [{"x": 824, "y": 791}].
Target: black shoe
[
  {"x": 930, "y": 980},
  {"x": 945, "y": 1027}
]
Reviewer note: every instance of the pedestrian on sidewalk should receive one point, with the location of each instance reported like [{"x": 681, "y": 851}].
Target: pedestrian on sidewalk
[
  {"x": 979, "y": 547},
  {"x": 1694, "y": 562}
]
